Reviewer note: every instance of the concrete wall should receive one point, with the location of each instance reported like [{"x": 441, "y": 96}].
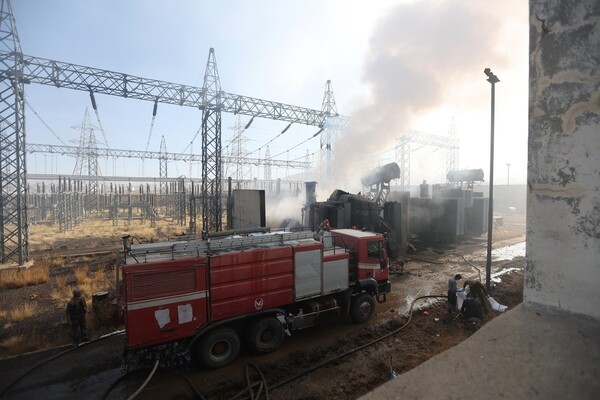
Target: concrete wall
[{"x": 563, "y": 211}]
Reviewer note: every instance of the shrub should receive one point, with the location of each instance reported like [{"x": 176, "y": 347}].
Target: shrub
[
  {"x": 21, "y": 312},
  {"x": 81, "y": 276},
  {"x": 19, "y": 277}
]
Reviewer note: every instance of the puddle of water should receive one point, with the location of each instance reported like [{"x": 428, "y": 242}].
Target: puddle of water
[
  {"x": 423, "y": 303},
  {"x": 509, "y": 252},
  {"x": 503, "y": 253}
]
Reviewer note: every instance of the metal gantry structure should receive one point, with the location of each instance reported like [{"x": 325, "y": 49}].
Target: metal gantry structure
[
  {"x": 163, "y": 155},
  {"x": 14, "y": 246},
  {"x": 333, "y": 124},
  {"x": 18, "y": 69},
  {"x": 241, "y": 167},
  {"x": 403, "y": 149}
]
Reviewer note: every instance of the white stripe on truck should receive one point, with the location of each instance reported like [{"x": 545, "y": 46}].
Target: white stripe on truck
[
  {"x": 369, "y": 266},
  {"x": 138, "y": 305}
]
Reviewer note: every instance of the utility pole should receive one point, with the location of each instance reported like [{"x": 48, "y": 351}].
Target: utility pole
[{"x": 493, "y": 79}]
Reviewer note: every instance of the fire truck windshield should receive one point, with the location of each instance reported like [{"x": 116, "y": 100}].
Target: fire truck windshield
[{"x": 373, "y": 249}]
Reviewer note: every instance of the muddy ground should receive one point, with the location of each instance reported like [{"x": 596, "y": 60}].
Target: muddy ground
[{"x": 88, "y": 371}]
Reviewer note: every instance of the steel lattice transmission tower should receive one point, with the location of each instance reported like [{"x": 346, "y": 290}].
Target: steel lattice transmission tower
[
  {"x": 327, "y": 136},
  {"x": 163, "y": 161},
  {"x": 86, "y": 162},
  {"x": 242, "y": 170},
  {"x": 18, "y": 68},
  {"x": 211, "y": 147},
  {"x": 267, "y": 164},
  {"x": 452, "y": 153},
  {"x": 14, "y": 235}
]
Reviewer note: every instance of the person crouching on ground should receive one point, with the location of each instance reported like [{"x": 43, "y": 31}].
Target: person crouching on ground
[
  {"x": 471, "y": 310},
  {"x": 452, "y": 288},
  {"x": 76, "y": 310}
]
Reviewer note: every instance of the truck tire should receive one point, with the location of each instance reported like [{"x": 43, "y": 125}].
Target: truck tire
[
  {"x": 218, "y": 348},
  {"x": 362, "y": 308},
  {"x": 266, "y": 335}
]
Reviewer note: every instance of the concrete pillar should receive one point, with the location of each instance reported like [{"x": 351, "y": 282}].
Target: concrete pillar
[{"x": 563, "y": 212}]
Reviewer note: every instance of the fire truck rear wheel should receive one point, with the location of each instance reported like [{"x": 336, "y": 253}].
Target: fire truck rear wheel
[
  {"x": 362, "y": 308},
  {"x": 266, "y": 335},
  {"x": 218, "y": 348}
]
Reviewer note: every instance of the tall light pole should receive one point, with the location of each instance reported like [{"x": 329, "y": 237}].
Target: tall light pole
[
  {"x": 508, "y": 184},
  {"x": 493, "y": 79}
]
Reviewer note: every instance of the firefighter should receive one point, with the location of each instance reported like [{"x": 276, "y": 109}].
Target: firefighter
[
  {"x": 452, "y": 289},
  {"x": 76, "y": 310},
  {"x": 325, "y": 226},
  {"x": 471, "y": 311}
]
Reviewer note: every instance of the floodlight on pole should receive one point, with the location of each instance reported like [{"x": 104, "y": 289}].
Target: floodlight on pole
[{"x": 492, "y": 79}]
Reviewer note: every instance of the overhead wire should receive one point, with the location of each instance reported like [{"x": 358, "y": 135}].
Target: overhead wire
[
  {"x": 95, "y": 107},
  {"x": 303, "y": 156},
  {"x": 298, "y": 145},
  {"x": 44, "y": 122},
  {"x": 270, "y": 141}
]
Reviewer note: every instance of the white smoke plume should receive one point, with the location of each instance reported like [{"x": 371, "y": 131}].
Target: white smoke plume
[{"x": 422, "y": 55}]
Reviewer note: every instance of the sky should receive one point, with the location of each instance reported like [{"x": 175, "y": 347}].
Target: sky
[{"x": 394, "y": 66}]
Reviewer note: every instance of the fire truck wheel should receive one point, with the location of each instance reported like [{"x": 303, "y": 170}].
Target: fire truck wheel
[
  {"x": 362, "y": 308},
  {"x": 218, "y": 348},
  {"x": 266, "y": 335}
]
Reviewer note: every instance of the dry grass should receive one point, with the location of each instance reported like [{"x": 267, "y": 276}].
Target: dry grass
[
  {"x": 19, "y": 277},
  {"x": 100, "y": 277},
  {"x": 94, "y": 233},
  {"x": 88, "y": 282},
  {"x": 31, "y": 342},
  {"x": 82, "y": 276},
  {"x": 63, "y": 291},
  {"x": 21, "y": 312}
]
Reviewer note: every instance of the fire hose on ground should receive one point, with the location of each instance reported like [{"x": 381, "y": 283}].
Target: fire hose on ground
[
  {"x": 30, "y": 370},
  {"x": 249, "y": 389},
  {"x": 262, "y": 385}
]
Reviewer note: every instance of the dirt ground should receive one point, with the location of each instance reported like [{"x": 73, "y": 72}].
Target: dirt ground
[{"x": 88, "y": 371}]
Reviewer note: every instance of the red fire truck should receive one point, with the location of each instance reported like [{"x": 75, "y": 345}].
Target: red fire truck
[{"x": 204, "y": 298}]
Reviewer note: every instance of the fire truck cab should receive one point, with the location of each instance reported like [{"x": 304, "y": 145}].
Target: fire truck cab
[{"x": 206, "y": 298}]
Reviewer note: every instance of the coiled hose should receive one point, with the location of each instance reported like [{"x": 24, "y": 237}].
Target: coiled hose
[{"x": 84, "y": 344}]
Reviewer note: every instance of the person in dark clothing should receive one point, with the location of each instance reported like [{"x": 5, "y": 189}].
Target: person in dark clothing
[
  {"x": 452, "y": 288},
  {"x": 76, "y": 310},
  {"x": 471, "y": 310}
]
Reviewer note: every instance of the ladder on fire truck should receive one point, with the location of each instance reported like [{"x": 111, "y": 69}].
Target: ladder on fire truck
[{"x": 150, "y": 252}]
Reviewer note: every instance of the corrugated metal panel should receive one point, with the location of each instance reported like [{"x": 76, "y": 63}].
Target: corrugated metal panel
[
  {"x": 248, "y": 281},
  {"x": 234, "y": 273},
  {"x": 160, "y": 284},
  {"x": 251, "y": 287}
]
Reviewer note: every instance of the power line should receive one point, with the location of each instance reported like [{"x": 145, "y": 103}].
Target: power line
[
  {"x": 44, "y": 122},
  {"x": 270, "y": 141},
  {"x": 300, "y": 144}
]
